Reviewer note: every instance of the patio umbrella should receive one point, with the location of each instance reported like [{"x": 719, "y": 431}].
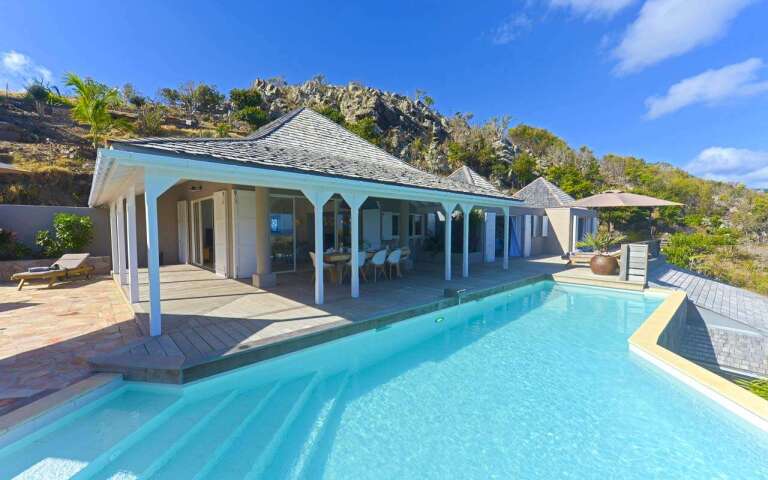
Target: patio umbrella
[
  {"x": 619, "y": 199},
  {"x": 11, "y": 169}
]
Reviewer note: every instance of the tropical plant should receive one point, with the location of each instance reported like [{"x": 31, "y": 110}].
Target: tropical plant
[
  {"x": 71, "y": 233},
  {"x": 758, "y": 386},
  {"x": 600, "y": 242},
  {"x": 367, "y": 129},
  {"x": 91, "y": 106}
]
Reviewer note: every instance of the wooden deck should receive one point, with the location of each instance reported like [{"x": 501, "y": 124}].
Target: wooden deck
[{"x": 213, "y": 324}]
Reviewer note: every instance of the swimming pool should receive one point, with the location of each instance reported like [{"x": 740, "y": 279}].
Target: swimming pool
[{"x": 537, "y": 382}]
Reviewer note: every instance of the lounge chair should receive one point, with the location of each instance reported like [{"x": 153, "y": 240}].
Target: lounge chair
[{"x": 69, "y": 265}]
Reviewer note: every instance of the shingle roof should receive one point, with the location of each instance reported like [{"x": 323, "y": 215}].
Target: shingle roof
[
  {"x": 542, "y": 193},
  {"x": 467, "y": 175},
  {"x": 305, "y": 141}
]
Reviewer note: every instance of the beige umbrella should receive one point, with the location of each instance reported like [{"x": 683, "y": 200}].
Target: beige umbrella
[
  {"x": 618, "y": 199},
  {"x": 11, "y": 169}
]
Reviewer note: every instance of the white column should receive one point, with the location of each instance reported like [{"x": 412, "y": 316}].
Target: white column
[
  {"x": 527, "y": 236},
  {"x": 113, "y": 237},
  {"x": 133, "y": 262},
  {"x": 154, "y": 185},
  {"x": 575, "y": 233},
  {"x": 318, "y": 198},
  {"x": 467, "y": 209},
  {"x": 354, "y": 200},
  {"x": 121, "y": 250},
  {"x": 448, "y": 208},
  {"x": 506, "y": 238}
]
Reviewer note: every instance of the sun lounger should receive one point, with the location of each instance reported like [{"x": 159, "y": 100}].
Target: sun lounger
[{"x": 68, "y": 266}]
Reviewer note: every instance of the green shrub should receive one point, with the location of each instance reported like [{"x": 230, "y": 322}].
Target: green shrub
[
  {"x": 254, "y": 116},
  {"x": 149, "y": 120},
  {"x": 333, "y": 114},
  {"x": 367, "y": 129},
  {"x": 10, "y": 248},
  {"x": 684, "y": 249},
  {"x": 71, "y": 234}
]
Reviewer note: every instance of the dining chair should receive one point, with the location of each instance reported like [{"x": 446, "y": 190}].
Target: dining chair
[
  {"x": 326, "y": 266},
  {"x": 362, "y": 257},
  {"x": 378, "y": 261},
  {"x": 393, "y": 261}
]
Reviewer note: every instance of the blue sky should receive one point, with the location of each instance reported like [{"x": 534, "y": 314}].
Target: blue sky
[{"x": 664, "y": 80}]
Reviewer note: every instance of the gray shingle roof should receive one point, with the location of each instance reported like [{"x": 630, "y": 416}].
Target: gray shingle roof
[
  {"x": 542, "y": 193},
  {"x": 467, "y": 175},
  {"x": 305, "y": 141}
]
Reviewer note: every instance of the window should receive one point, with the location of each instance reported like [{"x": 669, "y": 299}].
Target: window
[
  {"x": 390, "y": 225},
  {"x": 536, "y": 226},
  {"x": 416, "y": 226}
]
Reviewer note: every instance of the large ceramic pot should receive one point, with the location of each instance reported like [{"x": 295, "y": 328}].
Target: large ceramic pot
[{"x": 604, "y": 265}]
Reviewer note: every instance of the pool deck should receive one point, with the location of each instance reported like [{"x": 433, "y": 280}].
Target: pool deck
[{"x": 213, "y": 324}]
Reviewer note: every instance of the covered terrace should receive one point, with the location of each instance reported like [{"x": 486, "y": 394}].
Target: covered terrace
[{"x": 219, "y": 205}]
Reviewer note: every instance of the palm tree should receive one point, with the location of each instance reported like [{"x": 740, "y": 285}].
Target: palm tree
[{"x": 92, "y": 106}]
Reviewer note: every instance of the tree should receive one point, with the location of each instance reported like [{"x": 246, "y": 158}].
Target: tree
[
  {"x": 170, "y": 95},
  {"x": 209, "y": 99},
  {"x": 92, "y": 103},
  {"x": 149, "y": 120}
]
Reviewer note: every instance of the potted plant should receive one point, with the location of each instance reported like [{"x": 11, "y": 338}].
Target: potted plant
[{"x": 600, "y": 243}]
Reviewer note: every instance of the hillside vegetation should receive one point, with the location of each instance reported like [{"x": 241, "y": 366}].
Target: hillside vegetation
[{"x": 38, "y": 131}]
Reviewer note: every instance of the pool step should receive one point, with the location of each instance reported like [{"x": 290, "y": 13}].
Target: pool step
[
  {"x": 134, "y": 461},
  {"x": 108, "y": 456},
  {"x": 62, "y": 451},
  {"x": 247, "y": 448},
  {"x": 190, "y": 453},
  {"x": 301, "y": 442}
]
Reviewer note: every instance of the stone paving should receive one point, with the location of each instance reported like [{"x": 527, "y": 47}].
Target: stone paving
[
  {"x": 735, "y": 303},
  {"x": 46, "y": 335}
]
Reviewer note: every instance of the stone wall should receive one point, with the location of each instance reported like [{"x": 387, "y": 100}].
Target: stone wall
[
  {"x": 725, "y": 348},
  {"x": 102, "y": 265}
]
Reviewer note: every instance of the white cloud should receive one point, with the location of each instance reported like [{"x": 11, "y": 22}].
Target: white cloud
[
  {"x": 592, "y": 9},
  {"x": 710, "y": 87},
  {"x": 18, "y": 70},
  {"x": 667, "y": 28},
  {"x": 512, "y": 28},
  {"x": 749, "y": 167}
]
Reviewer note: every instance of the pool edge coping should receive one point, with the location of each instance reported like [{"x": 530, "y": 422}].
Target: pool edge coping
[
  {"x": 644, "y": 342},
  {"x": 24, "y": 420}
]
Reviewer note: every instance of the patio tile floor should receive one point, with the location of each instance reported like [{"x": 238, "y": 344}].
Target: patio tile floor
[{"x": 47, "y": 335}]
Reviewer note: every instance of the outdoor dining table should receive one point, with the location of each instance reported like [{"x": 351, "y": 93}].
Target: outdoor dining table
[{"x": 338, "y": 260}]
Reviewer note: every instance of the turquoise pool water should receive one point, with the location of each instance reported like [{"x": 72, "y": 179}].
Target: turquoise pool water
[{"x": 533, "y": 383}]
